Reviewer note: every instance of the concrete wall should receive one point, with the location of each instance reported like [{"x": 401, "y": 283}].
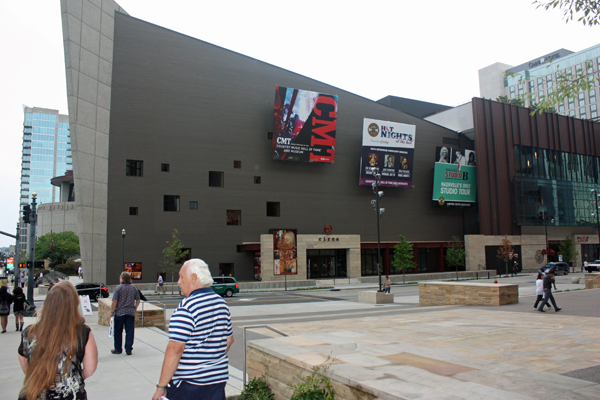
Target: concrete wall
[
  {"x": 88, "y": 45},
  {"x": 57, "y": 217}
]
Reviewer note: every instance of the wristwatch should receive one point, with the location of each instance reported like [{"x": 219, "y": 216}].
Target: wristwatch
[{"x": 160, "y": 387}]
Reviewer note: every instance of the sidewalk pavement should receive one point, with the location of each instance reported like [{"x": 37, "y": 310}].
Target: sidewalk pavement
[{"x": 134, "y": 377}]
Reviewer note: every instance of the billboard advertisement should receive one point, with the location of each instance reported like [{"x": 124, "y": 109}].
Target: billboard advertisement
[
  {"x": 284, "y": 252},
  {"x": 455, "y": 177},
  {"x": 304, "y": 126},
  {"x": 135, "y": 269},
  {"x": 389, "y": 147}
]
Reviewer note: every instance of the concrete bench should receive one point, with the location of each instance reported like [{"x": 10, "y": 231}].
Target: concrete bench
[
  {"x": 466, "y": 293},
  {"x": 592, "y": 280},
  {"x": 146, "y": 315},
  {"x": 374, "y": 297}
]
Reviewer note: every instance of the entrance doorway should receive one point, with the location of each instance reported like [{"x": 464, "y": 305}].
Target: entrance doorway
[{"x": 325, "y": 264}]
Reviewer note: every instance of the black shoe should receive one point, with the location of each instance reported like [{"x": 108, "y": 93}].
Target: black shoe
[
  {"x": 129, "y": 353},
  {"x": 114, "y": 351},
  {"x": 558, "y": 309},
  {"x": 541, "y": 310},
  {"x": 4, "y": 331}
]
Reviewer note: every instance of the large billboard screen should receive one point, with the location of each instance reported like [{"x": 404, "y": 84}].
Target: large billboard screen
[
  {"x": 284, "y": 252},
  {"x": 455, "y": 177},
  {"x": 389, "y": 147},
  {"x": 304, "y": 126}
]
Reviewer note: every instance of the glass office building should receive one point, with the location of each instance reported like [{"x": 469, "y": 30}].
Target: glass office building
[
  {"x": 541, "y": 79},
  {"x": 46, "y": 154}
]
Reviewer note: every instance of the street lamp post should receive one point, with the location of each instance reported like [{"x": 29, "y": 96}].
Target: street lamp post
[
  {"x": 595, "y": 213},
  {"x": 17, "y": 260},
  {"x": 379, "y": 211},
  {"x": 546, "y": 225},
  {"x": 31, "y": 254},
  {"x": 123, "y": 233}
]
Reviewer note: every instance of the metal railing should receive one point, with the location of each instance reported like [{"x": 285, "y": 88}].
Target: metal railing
[
  {"x": 244, "y": 340},
  {"x": 164, "y": 307}
]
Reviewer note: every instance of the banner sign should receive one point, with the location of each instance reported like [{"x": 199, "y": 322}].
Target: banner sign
[
  {"x": 389, "y": 147},
  {"x": 304, "y": 126},
  {"x": 455, "y": 177},
  {"x": 135, "y": 269},
  {"x": 284, "y": 254}
]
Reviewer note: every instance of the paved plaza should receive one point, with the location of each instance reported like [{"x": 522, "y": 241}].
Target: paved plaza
[{"x": 507, "y": 352}]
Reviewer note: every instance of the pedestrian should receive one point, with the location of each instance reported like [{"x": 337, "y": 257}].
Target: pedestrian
[
  {"x": 125, "y": 302},
  {"x": 160, "y": 283},
  {"x": 585, "y": 265},
  {"x": 22, "y": 279},
  {"x": 539, "y": 290},
  {"x": 80, "y": 272},
  {"x": 6, "y": 300},
  {"x": 66, "y": 349},
  {"x": 548, "y": 282},
  {"x": 200, "y": 335},
  {"x": 387, "y": 286},
  {"x": 19, "y": 307}
]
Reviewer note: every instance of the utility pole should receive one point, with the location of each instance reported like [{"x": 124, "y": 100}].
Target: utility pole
[
  {"x": 379, "y": 211},
  {"x": 30, "y": 216}
]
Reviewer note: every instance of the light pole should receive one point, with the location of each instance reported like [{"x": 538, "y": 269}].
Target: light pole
[
  {"x": 379, "y": 211},
  {"x": 17, "y": 261},
  {"x": 546, "y": 225},
  {"x": 123, "y": 233},
  {"x": 595, "y": 213},
  {"x": 31, "y": 254}
]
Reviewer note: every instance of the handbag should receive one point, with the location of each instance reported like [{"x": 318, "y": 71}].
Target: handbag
[
  {"x": 111, "y": 327},
  {"x": 26, "y": 305},
  {"x": 4, "y": 307}
]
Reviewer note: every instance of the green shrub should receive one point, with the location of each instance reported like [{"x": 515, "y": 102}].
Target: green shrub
[
  {"x": 67, "y": 269},
  {"x": 257, "y": 389},
  {"x": 315, "y": 387}
]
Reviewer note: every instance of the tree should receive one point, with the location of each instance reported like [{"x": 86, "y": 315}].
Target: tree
[
  {"x": 173, "y": 256},
  {"x": 455, "y": 255},
  {"x": 517, "y": 101},
  {"x": 23, "y": 256},
  {"x": 57, "y": 247},
  {"x": 587, "y": 10},
  {"x": 403, "y": 256},
  {"x": 567, "y": 250},
  {"x": 506, "y": 252}
]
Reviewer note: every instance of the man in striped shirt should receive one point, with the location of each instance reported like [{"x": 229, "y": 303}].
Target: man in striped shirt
[{"x": 200, "y": 334}]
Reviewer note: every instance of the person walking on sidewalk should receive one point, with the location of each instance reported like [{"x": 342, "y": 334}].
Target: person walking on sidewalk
[
  {"x": 539, "y": 290},
  {"x": 160, "y": 283},
  {"x": 387, "y": 285},
  {"x": 19, "y": 307},
  {"x": 59, "y": 351},
  {"x": 126, "y": 300},
  {"x": 200, "y": 335},
  {"x": 5, "y": 302},
  {"x": 548, "y": 282}
]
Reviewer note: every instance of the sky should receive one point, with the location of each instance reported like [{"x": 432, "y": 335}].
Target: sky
[{"x": 429, "y": 51}]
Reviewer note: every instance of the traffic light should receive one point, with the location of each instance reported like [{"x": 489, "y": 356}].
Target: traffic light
[
  {"x": 29, "y": 264},
  {"x": 39, "y": 264},
  {"x": 26, "y": 212}
]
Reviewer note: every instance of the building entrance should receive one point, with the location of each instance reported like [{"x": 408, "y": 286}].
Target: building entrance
[{"x": 324, "y": 264}]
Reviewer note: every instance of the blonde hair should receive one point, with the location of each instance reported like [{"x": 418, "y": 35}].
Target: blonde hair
[{"x": 56, "y": 331}]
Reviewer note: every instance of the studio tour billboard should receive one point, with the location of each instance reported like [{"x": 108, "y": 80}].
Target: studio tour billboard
[
  {"x": 389, "y": 147},
  {"x": 455, "y": 177},
  {"x": 304, "y": 126}
]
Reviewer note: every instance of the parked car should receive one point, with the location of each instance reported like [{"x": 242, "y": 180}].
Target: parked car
[
  {"x": 225, "y": 285},
  {"x": 594, "y": 266},
  {"x": 558, "y": 267},
  {"x": 94, "y": 290}
]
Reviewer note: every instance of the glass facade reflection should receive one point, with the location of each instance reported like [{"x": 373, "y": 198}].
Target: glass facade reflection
[{"x": 554, "y": 187}]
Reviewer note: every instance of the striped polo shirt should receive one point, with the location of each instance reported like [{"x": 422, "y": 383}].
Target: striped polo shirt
[{"x": 202, "y": 321}]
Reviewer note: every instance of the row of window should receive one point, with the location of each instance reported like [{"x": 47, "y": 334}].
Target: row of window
[
  {"x": 215, "y": 178},
  {"x": 40, "y": 116},
  {"x": 539, "y": 163},
  {"x": 171, "y": 203}
]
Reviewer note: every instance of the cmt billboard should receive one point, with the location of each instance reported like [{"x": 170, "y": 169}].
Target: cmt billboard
[
  {"x": 389, "y": 147},
  {"x": 455, "y": 177},
  {"x": 304, "y": 126}
]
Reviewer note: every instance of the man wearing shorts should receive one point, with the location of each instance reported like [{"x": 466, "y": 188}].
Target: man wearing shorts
[{"x": 159, "y": 284}]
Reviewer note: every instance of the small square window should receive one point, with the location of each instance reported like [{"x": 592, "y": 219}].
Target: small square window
[
  {"x": 171, "y": 203},
  {"x": 134, "y": 168},
  {"x": 237, "y": 164},
  {"x": 165, "y": 167},
  {"x": 239, "y": 248},
  {"x": 272, "y": 209},
  {"x": 133, "y": 211},
  {"x": 215, "y": 178},
  {"x": 257, "y": 180},
  {"x": 193, "y": 205},
  {"x": 234, "y": 217}
]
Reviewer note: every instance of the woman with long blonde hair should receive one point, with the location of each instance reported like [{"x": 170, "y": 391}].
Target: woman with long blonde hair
[{"x": 59, "y": 351}]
